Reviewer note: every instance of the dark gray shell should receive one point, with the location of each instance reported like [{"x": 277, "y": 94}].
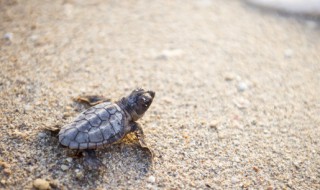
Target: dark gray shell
[{"x": 98, "y": 126}]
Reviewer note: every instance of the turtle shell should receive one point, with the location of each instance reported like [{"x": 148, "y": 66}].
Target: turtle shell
[{"x": 98, "y": 126}]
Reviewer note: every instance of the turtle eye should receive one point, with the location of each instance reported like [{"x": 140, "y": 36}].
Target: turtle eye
[{"x": 143, "y": 101}]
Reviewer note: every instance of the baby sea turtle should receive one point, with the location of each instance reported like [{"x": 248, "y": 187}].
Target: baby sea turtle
[{"x": 105, "y": 124}]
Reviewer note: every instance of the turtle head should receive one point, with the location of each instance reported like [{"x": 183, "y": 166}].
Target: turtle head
[{"x": 138, "y": 102}]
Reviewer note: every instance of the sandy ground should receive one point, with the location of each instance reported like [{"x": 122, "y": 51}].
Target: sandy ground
[{"x": 237, "y": 103}]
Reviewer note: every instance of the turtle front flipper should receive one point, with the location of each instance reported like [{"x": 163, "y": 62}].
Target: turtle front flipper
[
  {"x": 90, "y": 159},
  {"x": 137, "y": 129}
]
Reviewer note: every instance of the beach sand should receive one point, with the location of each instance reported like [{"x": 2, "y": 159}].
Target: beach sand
[{"x": 237, "y": 93}]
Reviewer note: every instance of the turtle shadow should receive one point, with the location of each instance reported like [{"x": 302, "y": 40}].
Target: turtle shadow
[
  {"x": 125, "y": 157},
  {"x": 122, "y": 162}
]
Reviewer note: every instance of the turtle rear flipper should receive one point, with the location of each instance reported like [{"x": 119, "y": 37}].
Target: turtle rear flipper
[
  {"x": 91, "y": 160},
  {"x": 52, "y": 130},
  {"x": 91, "y": 100}
]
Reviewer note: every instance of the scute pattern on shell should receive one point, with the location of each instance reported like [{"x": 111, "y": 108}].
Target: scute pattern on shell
[{"x": 98, "y": 126}]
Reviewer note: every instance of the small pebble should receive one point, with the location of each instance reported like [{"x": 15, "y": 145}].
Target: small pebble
[
  {"x": 236, "y": 142},
  {"x": 41, "y": 184},
  {"x": 288, "y": 53},
  {"x": 169, "y": 53},
  {"x": 229, "y": 77},
  {"x": 34, "y": 37},
  {"x": 69, "y": 108},
  {"x": 151, "y": 179},
  {"x": 8, "y": 36},
  {"x": 213, "y": 123},
  {"x": 236, "y": 159},
  {"x": 64, "y": 167},
  {"x": 246, "y": 184},
  {"x": 69, "y": 159},
  {"x": 3, "y": 182},
  {"x": 79, "y": 174},
  {"x": 242, "y": 86},
  {"x": 168, "y": 100},
  {"x": 28, "y": 107},
  {"x": 42, "y": 135},
  {"x": 234, "y": 180},
  {"x": 7, "y": 171},
  {"x": 104, "y": 161},
  {"x": 283, "y": 130}
]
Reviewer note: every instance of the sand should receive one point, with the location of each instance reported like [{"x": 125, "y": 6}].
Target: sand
[{"x": 237, "y": 93}]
